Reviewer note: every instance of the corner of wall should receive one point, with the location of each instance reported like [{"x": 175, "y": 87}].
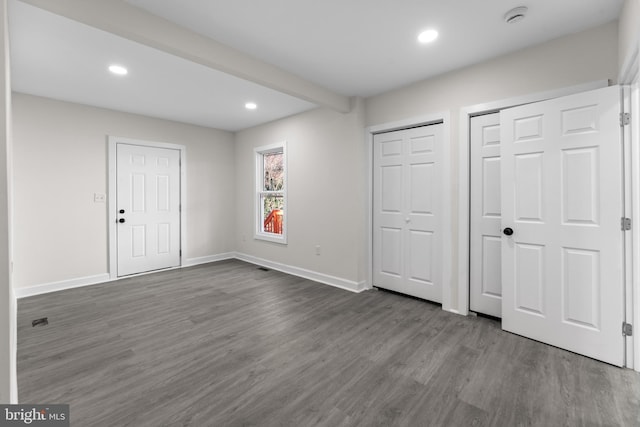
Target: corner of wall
[
  {"x": 13, "y": 337},
  {"x": 628, "y": 38}
]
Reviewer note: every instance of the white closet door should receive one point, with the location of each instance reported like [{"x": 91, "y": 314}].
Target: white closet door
[
  {"x": 485, "y": 276},
  {"x": 407, "y": 241},
  {"x": 562, "y": 267}
]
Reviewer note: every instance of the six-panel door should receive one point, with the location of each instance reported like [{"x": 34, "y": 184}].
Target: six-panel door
[
  {"x": 407, "y": 237},
  {"x": 148, "y": 206},
  {"x": 485, "y": 242},
  {"x": 562, "y": 268}
]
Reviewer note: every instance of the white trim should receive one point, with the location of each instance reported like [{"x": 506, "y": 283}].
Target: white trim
[
  {"x": 463, "y": 172},
  {"x": 634, "y": 143},
  {"x": 62, "y": 285},
  {"x": 445, "y": 118},
  {"x": 207, "y": 259},
  {"x": 447, "y": 212},
  {"x": 368, "y": 146},
  {"x": 97, "y": 279},
  {"x": 111, "y": 194},
  {"x": 411, "y": 122},
  {"x": 630, "y": 75},
  {"x": 625, "y": 134},
  {"x": 368, "y": 141},
  {"x": 326, "y": 279},
  {"x": 258, "y": 232}
]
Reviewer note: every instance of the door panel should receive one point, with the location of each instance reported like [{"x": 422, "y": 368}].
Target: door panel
[
  {"x": 421, "y": 252},
  {"x": 491, "y": 274},
  {"x": 581, "y": 287},
  {"x": 580, "y": 190},
  {"x": 530, "y": 274},
  {"x": 391, "y": 248},
  {"x": 485, "y": 280},
  {"x": 148, "y": 193},
  {"x": 528, "y": 187},
  {"x": 490, "y": 184},
  {"x": 562, "y": 269},
  {"x": 407, "y": 252}
]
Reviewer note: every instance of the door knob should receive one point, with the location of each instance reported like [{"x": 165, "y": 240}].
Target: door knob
[
  {"x": 121, "y": 220},
  {"x": 507, "y": 231},
  {"x": 121, "y": 211}
]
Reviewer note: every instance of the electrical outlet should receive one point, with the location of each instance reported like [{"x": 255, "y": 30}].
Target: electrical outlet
[
  {"x": 99, "y": 198},
  {"x": 317, "y": 249}
]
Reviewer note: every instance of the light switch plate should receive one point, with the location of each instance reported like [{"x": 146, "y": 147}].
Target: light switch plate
[{"x": 99, "y": 197}]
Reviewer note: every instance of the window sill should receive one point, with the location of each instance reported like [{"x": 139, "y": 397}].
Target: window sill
[{"x": 273, "y": 238}]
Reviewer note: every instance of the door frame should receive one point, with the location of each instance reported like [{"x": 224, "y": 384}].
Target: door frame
[
  {"x": 112, "y": 141},
  {"x": 632, "y": 194},
  {"x": 630, "y": 75},
  {"x": 443, "y": 117}
]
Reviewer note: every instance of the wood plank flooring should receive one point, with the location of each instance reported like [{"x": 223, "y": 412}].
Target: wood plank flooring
[{"x": 226, "y": 344}]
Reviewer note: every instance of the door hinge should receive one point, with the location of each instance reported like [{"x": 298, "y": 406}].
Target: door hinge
[
  {"x": 625, "y": 119},
  {"x": 627, "y": 329},
  {"x": 180, "y": 252},
  {"x": 625, "y": 224}
]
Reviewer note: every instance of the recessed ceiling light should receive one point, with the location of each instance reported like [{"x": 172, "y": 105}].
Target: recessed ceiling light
[
  {"x": 250, "y": 106},
  {"x": 427, "y": 36},
  {"x": 118, "y": 69}
]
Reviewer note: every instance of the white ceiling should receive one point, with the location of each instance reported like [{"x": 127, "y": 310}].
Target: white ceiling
[
  {"x": 58, "y": 58},
  {"x": 352, "y": 47},
  {"x": 365, "y": 47}
]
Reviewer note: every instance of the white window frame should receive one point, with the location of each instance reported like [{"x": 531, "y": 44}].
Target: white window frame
[{"x": 280, "y": 147}]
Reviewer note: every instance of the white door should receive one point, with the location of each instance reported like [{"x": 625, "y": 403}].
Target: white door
[
  {"x": 407, "y": 248},
  {"x": 148, "y": 208},
  {"x": 485, "y": 280},
  {"x": 562, "y": 267}
]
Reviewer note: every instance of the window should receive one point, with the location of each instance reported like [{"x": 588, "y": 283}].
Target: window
[{"x": 271, "y": 190}]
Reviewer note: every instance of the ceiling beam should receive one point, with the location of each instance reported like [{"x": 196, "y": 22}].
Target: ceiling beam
[{"x": 133, "y": 23}]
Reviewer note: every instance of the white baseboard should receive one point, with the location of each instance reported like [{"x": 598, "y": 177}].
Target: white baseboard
[
  {"x": 45, "y": 288},
  {"x": 206, "y": 259},
  {"x": 326, "y": 279},
  {"x": 102, "y": 278}
]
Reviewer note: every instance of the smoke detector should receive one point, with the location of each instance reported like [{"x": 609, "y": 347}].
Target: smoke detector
[{"x": 516, "y": 14}]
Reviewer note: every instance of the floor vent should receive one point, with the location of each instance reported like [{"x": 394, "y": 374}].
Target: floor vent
[
  {"x": 40, "y": 322},
  {"x": 263, "y": 269}
]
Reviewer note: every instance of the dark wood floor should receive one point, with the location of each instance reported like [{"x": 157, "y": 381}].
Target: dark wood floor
[{"x": 227, "y": 344}]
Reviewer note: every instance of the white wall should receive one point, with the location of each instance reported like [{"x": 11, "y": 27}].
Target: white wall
[
  {"x": 629, "y": 30},
  {"x": 60, "y": 228},
  {"x": 8, "y": 390},
  {"x": 61, "y": 161},
  {"x": 325, "y": 192},
  {"x": 578, "y": 58}
]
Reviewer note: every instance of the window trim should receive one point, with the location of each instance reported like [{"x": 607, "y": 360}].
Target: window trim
[{"x": 259, "y": 153}]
